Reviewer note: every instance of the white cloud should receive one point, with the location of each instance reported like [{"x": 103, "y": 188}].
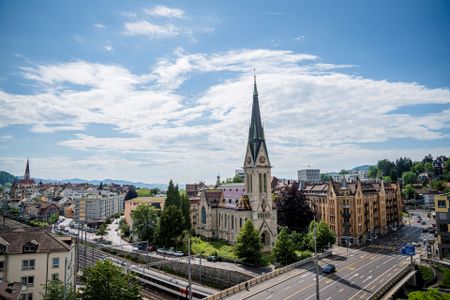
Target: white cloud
[
  {"x": 164, "y": 11},
  {"x": 314, "y": 113},
  {"x": 149, "y": 29},
  {"x": 99, "y": 26},
  {"x": 108, "y": 48}
]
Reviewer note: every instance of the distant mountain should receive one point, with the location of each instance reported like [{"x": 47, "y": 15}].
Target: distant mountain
[
  {"x": 362, "y": 168},
  {"x": 138, "y": 184},
  {"x": 5, "y": 177}
]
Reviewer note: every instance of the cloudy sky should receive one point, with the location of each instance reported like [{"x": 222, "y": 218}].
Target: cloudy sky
[{"x": 146, "y": 90}]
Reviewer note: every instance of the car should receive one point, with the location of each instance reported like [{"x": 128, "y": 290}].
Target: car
[
  {"x": 415, "y": 244},
  {"x": 434, "y": 224},
  {"x": 178, "y": 253},
  {"x": 151, "y": 248},
  {"x": 329, "y": 268},
  {"x": 418, "y": 221},
  {"x": 212, "y": 258},
  {"x": 424, "y": 229},
  {"x": 424, "y": 223}
]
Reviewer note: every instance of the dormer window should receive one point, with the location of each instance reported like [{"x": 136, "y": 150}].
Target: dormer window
[
  {"x": 2, "y": 249},
  {"x": 30, "y": 247}
]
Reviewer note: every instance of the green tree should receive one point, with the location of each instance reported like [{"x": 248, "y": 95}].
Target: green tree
[
  {"x": 343, "y": 171},
  {"x": 431, "y": 294},
  {"x": 124, "y": 228},
  {"x": 428, "y": 159},
  {"x": 143, "y": 192},
  {"x": 387, "y": 179},
  {"x": 248, "y": 244},
  {"x": 324, "y": 236},
  {"x": 105, "y": 280},
  {"x": 408, "y": 192},
  {"x": 324, "y": 177},
  {"x": 374, "y": 172},
  {"x": 5, "y": 177},
  {"x": 429, "y": 168},
  {"x": 437, "y": 185},
  {"x": 54, "y": 290},
  {"x": 386, "y": 167},
  {"x": 299, "y": 240},
  {"x": 237, "y": 179},
  {"x": 403, "y": 164},
  {"x": 173, "y": 196},
  {"x": 186, "y": 211},
  {"x": 102, "y": 230},
  {"x": 170, "y": 225},
  {"x": 284, "y": 250},
  {"x": 418, "y": 167},
  {"x": 145, "y": 220},
  {"x": 409, "y": 177},
  {"x": 53, "y": 219},
  {"x": 131, "y": 194}
]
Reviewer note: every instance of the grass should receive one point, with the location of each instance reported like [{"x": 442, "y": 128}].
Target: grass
[
  {"x": 426, "y": 272},
  {"x": 446, "y": 280},
  {"x": 217, "y": 248}
]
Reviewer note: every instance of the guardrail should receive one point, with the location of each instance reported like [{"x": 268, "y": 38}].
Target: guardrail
[
  {"x": 390, "y": 283},
  {"x": 254, "y": 281}
]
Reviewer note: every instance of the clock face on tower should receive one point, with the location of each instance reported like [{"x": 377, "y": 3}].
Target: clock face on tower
[
  {"x": 262, "y": 159},
  {"x": 249, "y": 160}
]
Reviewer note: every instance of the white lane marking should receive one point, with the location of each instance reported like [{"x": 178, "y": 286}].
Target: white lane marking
[
  {"x": 329, "y": 298},
  {"x": 340, "y": 291},
  {"x": 370, "y": 271},
  {"x": 270, "y": 296},
  {"x": 354, "y": 275},
  {"x": 286, "y": 288},
  {"x": 362, "y": 296},
  {"x": 300, "y": 281},
  {"x": 303, "y": 276},
  {"x": 362, "y": 276},
  {"x": 377, "y": 266},
  {"x": 368, "y": 278}
]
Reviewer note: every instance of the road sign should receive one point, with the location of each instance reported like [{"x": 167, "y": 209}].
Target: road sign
[{"x": 408, "y": 250}]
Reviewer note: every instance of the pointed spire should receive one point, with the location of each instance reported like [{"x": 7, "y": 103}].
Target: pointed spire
[
  {"x": 255, "y": 90},
  {"x": 27, "y": 170}
]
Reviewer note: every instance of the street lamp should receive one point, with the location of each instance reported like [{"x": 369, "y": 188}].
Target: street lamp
[{"x": 316, "y": 260}]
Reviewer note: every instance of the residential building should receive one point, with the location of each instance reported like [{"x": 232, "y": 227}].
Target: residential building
[
  {"x": 33, "y": 257},
  {"x": 220, "y": 219},
  {"x": 40, "y": 210},
  {"x": 130, "y": 205},
  {"x": 96, "y": 207},
  {"x": 308, "y": 176},
  {"x": 192, "y": 191},
  {"x": 442, "y": 208},
  {"x": 357, "y": 211}
]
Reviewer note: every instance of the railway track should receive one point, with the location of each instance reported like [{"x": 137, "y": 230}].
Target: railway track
[{"x": 154, "y": 295}]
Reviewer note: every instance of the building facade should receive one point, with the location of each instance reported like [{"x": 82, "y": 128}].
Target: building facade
[
  {"x": 97, "y": 207},
  {"x": 219, "y": 218},
  {"x": 442, "y": 208},
  {"x": 33, "y": 257},
  {"x": 132, "y": 204},
  {"x": 308, "y": 176},
  {"x": 357, "y": 212}
]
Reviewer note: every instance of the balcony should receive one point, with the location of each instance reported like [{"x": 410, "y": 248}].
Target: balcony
[{"x": 346, "y": 214}]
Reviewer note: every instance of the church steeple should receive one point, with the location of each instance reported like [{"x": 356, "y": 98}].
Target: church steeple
[
  {"x": 27, "y": 171},
  {"x": 256, "y": 130}
]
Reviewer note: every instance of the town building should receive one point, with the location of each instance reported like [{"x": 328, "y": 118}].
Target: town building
[
  {"x": 32, "y": 257},
  {"x": 132, "y": 204},
  {"x": 442, "y": 208},
  {"x": 357, "y": 212},
  {"x": 24, "y": 188},
  {"x": 40, "y": 210},
  {"x": 98, "y": 206},
  {"x": 218, "y": 218}
]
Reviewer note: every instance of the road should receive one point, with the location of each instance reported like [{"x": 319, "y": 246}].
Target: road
[{"x": 359, "y": 273}]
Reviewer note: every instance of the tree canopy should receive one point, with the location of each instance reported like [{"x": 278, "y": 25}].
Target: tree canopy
[
  {"x": 171, "y": 225},
  {"x": 105, "y": 280},
  {"x": 431, "y": 294},
  {"x": 284, "y": 250},
  {"x": 54, "y": 290},
  {"x": 186, "y": 211},
  {"x": 173, "y": 195},
  {"x": 131, "y": 194},
  {"x": 248, "y": 244},
  {"x": 324, "y": 236},
  {"x": 145, "y": 221}
]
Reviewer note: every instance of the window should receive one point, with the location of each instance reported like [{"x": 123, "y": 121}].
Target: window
[
  {"x": 2, "y": 265},
  {"x": 260, "y": 182},
  {"x": 55, "y": 262},
  {"x": 441, "y": 204},
  {"x": 442, "y": 216},
  {"x": 443, "y": 227},
  {"x": 55, "y": 276},
  {"x": 2, "y": 249},
  {"x": 28, "y": 281},
  {"x": 27, "y": 296},
  {"x": 29, "y": 247},
  {"x": 265, "y": 183},
  {"x": 28, "y": 264},
  {"x": 203, "y": 215}
]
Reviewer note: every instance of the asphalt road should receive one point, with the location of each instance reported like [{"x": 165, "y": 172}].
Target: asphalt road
[{"x": 359, "y": 273}]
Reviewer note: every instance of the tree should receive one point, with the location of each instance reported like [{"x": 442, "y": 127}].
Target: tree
[
  {"x": 409, "y": 177},
  {"x": 124, "y": 227},
  {"x": 131, "y": 194},
  {"x": 299, "y": 239},
  {"x": 144, "y": 192},
  {"x": 387, "y": 179},
  {"x": 173, "y": 196},
  {"x": 237, "y": 179},
  {"x": 248, "y": 244},
  {"x": 343, "y": 171},
  {"x": 418, "y": 167},
  {"x": 292, "y": 209},
  {"x": 284, "y": 250},
  {"x": 403, "y": 164},
  {"x": 53, "y": 219},
  {"x": 431, "y": 294},
  {"x": 102, "y": 230},
  {"x": 428, "y": 159},
  {"x": 408, "y": 192},
  {"x": 54, "y": 290},
  {"x": 105, "y": 280},
  {"x": 374, "y": 172},
  {"x": 145, "y": 221},
  {"x": 429, "y": 168},
  {"x": 386, "y": 167},
  {"x": 186, "y": 211},
  {"x": 324, "y": 236},
  {"x": 170, "y": 225},
  {"x": 324, "y": 177}
]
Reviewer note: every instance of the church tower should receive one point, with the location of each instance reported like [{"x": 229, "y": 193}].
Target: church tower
[
  {"x": 258, "y": 178},
  {"x": 26, "y": 176}
]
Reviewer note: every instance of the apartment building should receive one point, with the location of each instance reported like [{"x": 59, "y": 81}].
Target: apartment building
[
  {"x": 357, "y": 212},
  {"x": 442, "y": 208},
  {"x": 32, "y": 257},
  {"x": 130, "y": 205},
  {"x": 97, "y": 207}
]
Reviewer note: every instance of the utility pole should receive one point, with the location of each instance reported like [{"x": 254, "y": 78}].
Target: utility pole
[
  {"x": 65, "y": 278},
  {"x": 315, "y": 256},
  {"x": 189, "y": 262}
]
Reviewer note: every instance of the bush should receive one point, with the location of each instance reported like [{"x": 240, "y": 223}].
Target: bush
[
  {"x": 426, "y": 272},
  {"x": 303, "y": 254},
  {"x": 446, "y": 280},
  {"x": 217, "y": 248}
]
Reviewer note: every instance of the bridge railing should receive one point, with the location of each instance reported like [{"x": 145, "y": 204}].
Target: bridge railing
[
  {"x": 390, "y": 283},
  {"x": 254, "y": 281}
]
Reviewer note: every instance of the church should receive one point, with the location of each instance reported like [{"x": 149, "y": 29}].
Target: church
[{"x": 222, "y": 218}]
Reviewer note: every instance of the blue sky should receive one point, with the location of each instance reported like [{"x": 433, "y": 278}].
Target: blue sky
[{"x": 147, "y": 90}]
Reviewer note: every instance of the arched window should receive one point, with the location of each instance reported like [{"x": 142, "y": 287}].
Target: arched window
[
  {"x": 260, "y": 182},
  {"x": 203, "y": 215},
  {"x": 265, "y": 183}
]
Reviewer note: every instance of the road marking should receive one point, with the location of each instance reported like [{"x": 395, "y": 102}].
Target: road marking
[
  {"x": 300, "y": 281},
  {"x": 341, "y": 290},
  {"x": 303, "y": 276},
  {"x": 362, "y": 276},
  {"x": 377, "y": 266},
  {"x": 329, "y": 298},
  {"x": 286, "y": 288},
  {"x": 368, "y": 278},
  {"x": 362, "y": 296},
  {"x": 370, "y": 271},
  {"x": 270, "y": 296},
  {"x": 327, "y": 281},
  {"x": 354, "y": 275}
]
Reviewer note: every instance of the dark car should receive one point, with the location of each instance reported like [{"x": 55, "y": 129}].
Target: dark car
[
  {"x": 329, "y": 268},
  {"x": 212, "y": 258}
]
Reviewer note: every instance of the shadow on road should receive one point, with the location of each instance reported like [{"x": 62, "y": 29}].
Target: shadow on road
[{"x": 348, "y": 283}]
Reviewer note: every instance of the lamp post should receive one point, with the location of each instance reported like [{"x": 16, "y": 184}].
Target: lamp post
[{"x": 316, "y": 260}]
